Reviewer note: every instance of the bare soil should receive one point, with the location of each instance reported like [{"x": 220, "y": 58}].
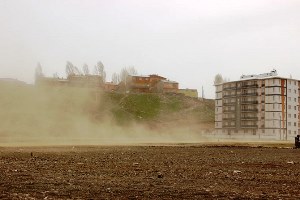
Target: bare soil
[{"x": 149, "y": 172}]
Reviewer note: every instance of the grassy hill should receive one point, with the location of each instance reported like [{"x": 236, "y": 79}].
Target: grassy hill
[
  {"x": 27, "y": 110},
  {"x": 160, "y": 109}
]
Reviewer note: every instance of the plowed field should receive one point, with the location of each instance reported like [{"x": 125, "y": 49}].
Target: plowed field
[{"x": 149, "y": 172}]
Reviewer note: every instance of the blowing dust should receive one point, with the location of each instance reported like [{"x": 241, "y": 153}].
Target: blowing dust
[{"x": 73, "y": 116}]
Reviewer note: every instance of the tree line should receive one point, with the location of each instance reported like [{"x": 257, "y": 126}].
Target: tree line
[{"x": 72, "y": 70}]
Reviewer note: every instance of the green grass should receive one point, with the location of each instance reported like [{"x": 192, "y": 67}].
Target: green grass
[{"x": 144, "y": 107}]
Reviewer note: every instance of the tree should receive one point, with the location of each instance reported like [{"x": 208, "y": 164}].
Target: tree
[
  {"x": 99, "y": 70},
  {"x": 125, "y": 72},
  {"x": 218, "y": 79},
  {"x": 115, "y": 78},
  {"x": 85, "y": 69},
  {"x": 72, "y": 70},
  {"x": 77, "y": 71},
  {"x": 69, "y": 69},
  {"x": 38, "y": 71}
]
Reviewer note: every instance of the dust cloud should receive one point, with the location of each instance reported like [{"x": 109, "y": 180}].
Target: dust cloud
[{"x": 37, "y": 116}]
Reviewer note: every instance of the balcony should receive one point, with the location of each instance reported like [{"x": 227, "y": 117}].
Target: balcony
[
  {"x": 229, "y": 126},
  {"x": 249, "y": 110},
  {"x": 249, "y": 118},
  {"x": 229, "y": 95},
  {"x": 229, "y": 118},
  {"x": 229, "y": 103},
  {"x": 250, "y": 94},
  {"x": 249, "y": 126},
  {"x": 254, "y": 85},
  {"x": 229, "y": 88},
  {"x": 229, "y": 111},
  {"x": 249, "y": 102}
]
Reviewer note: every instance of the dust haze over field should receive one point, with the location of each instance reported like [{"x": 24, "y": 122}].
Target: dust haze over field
[{"x": 66, "y": 115}]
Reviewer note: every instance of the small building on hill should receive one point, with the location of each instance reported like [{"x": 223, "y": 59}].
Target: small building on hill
[
  {"x": 110, "y": 87},
  {"x": 88, "y": 81},
  {"x": 151, "y": 84},
  {"x": 49, "y": 81},
  {"x": 139, "y": 84},
  {"x": 166, "y": 86}
]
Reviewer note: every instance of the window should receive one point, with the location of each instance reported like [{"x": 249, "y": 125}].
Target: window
[
  {"x": 295, "y": 107},
  {"x": 289, "y": 98},
  {"x": 295, "y": 124},
  {"x": 295, "y": 91},
  {"x": 295, "y": 115},
  {"x": 289, "y": 82},
  {"x": 290, "y": 90},
  {"x": 290, "y": 131},
  {"x": 295, "y": 99},
  {"x": 289, "y": 124},
  {"x": 289, "y": 115},
  {"x": 290, "y": 107}
]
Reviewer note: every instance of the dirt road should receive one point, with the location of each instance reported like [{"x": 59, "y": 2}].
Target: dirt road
[{"x": 149, "y": 172}]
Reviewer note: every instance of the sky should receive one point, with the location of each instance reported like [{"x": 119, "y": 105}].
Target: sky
[{"x": 188, "y": 41}]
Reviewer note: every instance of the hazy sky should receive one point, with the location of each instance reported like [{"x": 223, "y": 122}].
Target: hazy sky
[{"x": 188, "y": 41}]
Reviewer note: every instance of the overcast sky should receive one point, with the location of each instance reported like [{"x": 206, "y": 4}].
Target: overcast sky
[{"x": 188, "y": 41}]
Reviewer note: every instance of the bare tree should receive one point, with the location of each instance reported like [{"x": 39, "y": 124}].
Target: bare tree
[
  {"x": 99, "y": 70},
  {"x": 115, "y": 78},
  {"x": 131, "y": 70},
  {"x": 72, "y": 70},
  {"x": 85, "y": 69},
  {"x": 38, "y": 70},
  {"x": 69, "y": 69},
  {"x": 218, "y": 79},
  {"x": 125, "y": 72},
  {"x": 77, "y": 71}
]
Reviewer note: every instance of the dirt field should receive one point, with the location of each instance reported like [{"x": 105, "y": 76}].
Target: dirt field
[{"x": 149, "y": 172}]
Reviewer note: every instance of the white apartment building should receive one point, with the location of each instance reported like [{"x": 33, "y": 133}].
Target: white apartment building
[{"x": 264, "y": 105}]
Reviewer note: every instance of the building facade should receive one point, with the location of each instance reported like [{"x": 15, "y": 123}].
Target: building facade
[
  {"x": 152, "y": 84},
  {"x": 264, "y": 105}
]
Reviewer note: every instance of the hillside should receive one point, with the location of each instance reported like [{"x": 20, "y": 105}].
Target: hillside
[
  {"x": 159, "y": 110},
  {"x": 38, "y": 111}
]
